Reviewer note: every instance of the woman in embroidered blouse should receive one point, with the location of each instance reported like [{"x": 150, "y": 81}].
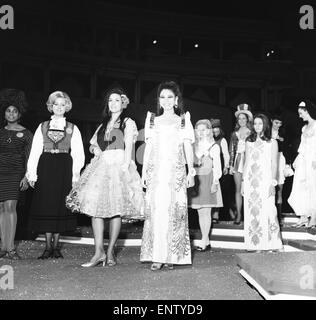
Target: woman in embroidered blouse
[
  {"x": 303, "y": 195},
  {"x": 110, "y": 186},
  {"x": 56, "y": 158},
  {"x": 169, "y": 138},
  {"x": 237, "y": 152},
  {"x": 15, "y": 146},
  {"x": 206, "y": 193}
]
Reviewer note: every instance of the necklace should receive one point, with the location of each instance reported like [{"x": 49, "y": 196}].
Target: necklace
[{"x": 9, "y": 139}]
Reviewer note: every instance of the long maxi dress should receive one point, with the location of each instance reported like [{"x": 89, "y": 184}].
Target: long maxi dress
[
  {"x": 261, "y": 226},
  {"x": 166, "y": 233},
  {"x": 303, "y": 195}
]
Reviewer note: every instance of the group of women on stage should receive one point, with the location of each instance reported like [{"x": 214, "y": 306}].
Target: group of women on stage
[{"x": 183, "y": 166}]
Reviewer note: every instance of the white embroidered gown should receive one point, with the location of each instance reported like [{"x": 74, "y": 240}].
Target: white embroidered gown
[
  {"x": 261, "y": 226},
  {"x": 166, "y": 233}
]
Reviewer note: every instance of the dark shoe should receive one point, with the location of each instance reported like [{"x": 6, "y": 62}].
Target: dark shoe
[
  {"x": 156, "y": 266},
  {"x": 13, "y": 255},
  {"x": 46, "y": 254},
  {"x": 236, "y": 222},
  {"x": 214, "y": 221},
  {"x": 57, "y": 254},
  {"x": 200, "y": 249},
  {"x": 2, "y": 253},
  {"x": 168, "y": 266}
]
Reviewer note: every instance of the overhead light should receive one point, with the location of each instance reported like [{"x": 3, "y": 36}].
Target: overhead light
[
  {"x": 196, "y": 45},
  {"x": 155, "y": 42}
]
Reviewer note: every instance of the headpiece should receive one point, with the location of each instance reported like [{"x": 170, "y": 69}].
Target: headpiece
[{"x": 244, "y": 108}]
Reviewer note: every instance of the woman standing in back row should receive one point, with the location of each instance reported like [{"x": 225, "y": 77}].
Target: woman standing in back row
[
  {"x": 237, "y": 152},
  {"x": 303, "y": 195}
]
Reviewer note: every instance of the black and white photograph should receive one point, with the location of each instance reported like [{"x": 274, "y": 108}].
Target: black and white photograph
[{"x": 157, "y": 155}]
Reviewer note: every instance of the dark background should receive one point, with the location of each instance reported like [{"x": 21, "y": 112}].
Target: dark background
[{"x": 248, "y": 52}]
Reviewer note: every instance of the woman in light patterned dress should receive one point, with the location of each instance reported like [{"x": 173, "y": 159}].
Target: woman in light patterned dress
[
  {"x": 261, "y": 226},
  {"x": 303, "y": 195},
  {"x": 169, "y": 138},
  {"x": 110, "y": 186}
]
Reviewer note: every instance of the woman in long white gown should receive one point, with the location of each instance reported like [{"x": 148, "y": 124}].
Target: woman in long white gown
[
  {"x": 303, "y": 195},
  {"x": 261, "y": 226},
  {"x": 169, "y": 138}
]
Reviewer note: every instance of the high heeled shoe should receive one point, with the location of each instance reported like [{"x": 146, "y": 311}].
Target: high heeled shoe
[
  {"x": 156, "y": 266},
  {"x": 301, "y": 224},
  {"x": 111, "y": 262},
  {"x": 168, "y": 266},
  {"x": 95, "y": 263},
  {"x": 13, "y": 255}
]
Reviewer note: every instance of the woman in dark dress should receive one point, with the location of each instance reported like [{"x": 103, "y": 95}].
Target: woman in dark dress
[
  {"x": 56, "y": 159},
  {"x": 15, "y": 146}
]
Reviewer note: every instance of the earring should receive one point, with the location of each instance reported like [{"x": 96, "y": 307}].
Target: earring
[{"x": 175, "y": 106}]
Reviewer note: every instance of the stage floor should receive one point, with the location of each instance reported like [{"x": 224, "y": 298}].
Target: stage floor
[{"x": 282, "y": 275}]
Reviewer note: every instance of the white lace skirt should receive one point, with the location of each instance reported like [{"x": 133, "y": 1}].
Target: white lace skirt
[{"x": 104, "y": 190}]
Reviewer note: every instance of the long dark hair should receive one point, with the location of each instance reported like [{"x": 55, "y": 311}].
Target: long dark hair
[
  {"x": 248, "y": 125},
  {"x": 172, "y": 86},
  {"x": 266, "y": 130},
  {"x": 106, "y": 113}
]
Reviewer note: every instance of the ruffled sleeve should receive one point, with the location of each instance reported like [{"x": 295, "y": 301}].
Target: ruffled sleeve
[
  {"x": 77, "y": 154},
  {"x": 93, "y": 140},
  {"x": 215, "y": 154},
  {"x": 188, "y": 131},
  {"x": 148, "y": 129},
  {"x": 224, "y": 147},
  {"x": 36, "y": 151},
  {"x": 130, "y": 130}
]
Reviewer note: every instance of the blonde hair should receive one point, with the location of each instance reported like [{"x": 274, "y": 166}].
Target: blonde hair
[
  {"x": 58, "y": 94},
  {"x": 206, "y": 122}
]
